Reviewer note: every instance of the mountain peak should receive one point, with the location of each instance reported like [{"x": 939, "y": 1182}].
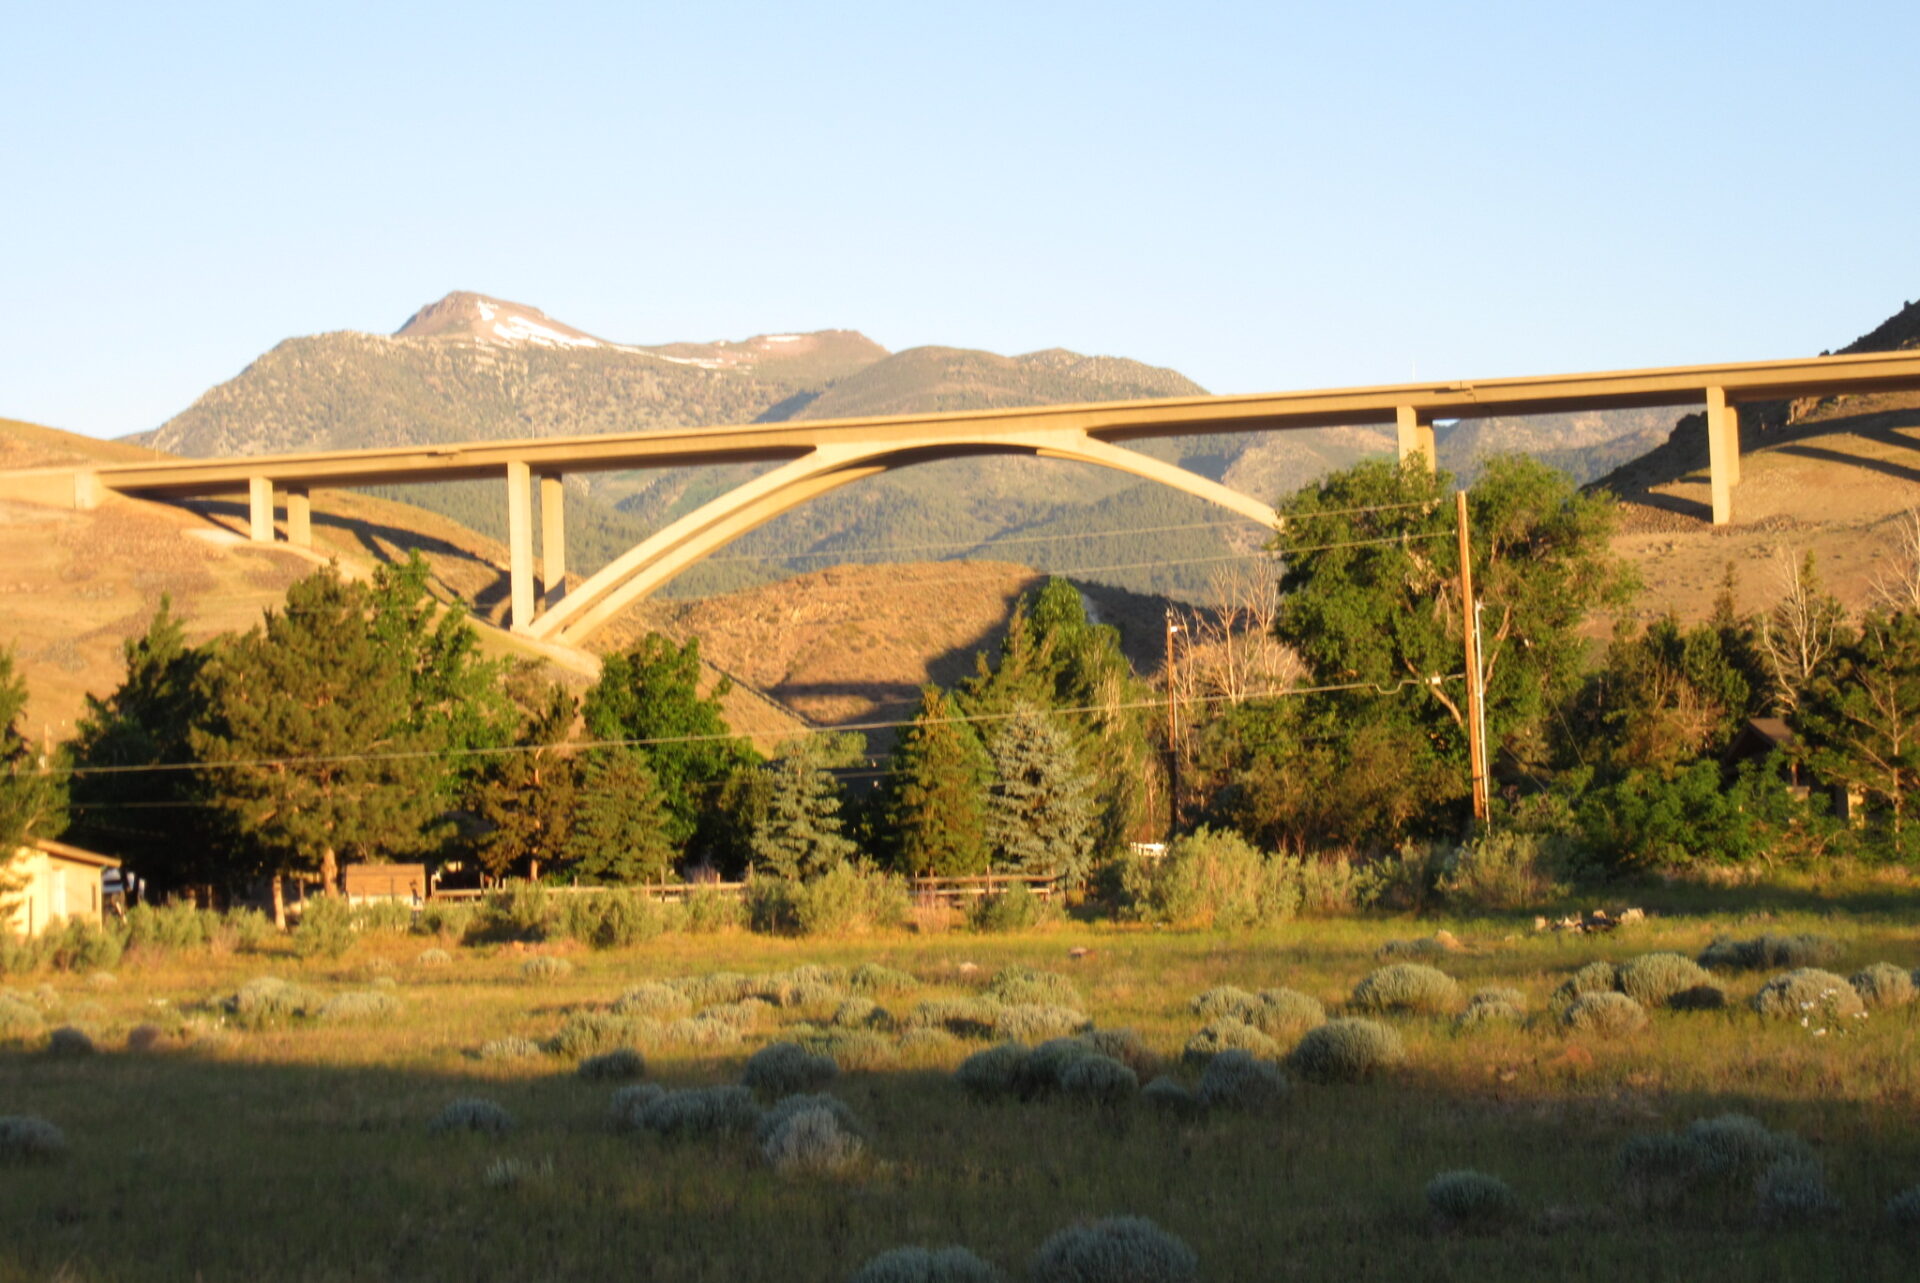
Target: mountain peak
[{"x": 485, "y": 319}]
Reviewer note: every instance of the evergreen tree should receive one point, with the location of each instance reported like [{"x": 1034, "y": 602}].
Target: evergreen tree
[
  {"x": 527, "y": 798},
  {"x": 156, "y": 821},
  {"x": 1664, "y": 698},
  {"x": 1861, "y": 719},
  {"x": 457, "y": 698},
  {"x": 937, "y": 812},
  {"x": 800, "y": 834},
  {"x": 651, "y": 694},
  {"x": 620, "y": 827},
  {"x": 1041, "y": 809},
  {"x": 32, "y": 793},
  {"x": 311, "y": 745}
]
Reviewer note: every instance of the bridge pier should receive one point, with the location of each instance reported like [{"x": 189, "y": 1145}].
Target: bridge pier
[
  {"x": 1414, "y": 431},
  {"x": 1723, "y": 453},
  {"x": 519, "y": 546},
  {"x": 553, "y": 540},
  {"x": 299, "y": 516},
  {"x": 260, "y": 509}
]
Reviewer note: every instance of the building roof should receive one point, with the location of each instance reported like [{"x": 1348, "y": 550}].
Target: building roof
[{"x": 73, "y": 854}]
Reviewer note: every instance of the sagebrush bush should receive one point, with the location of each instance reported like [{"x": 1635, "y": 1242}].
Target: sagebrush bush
[
  {"x": 627, "y": 1110},
  {"x": 1346, "y": 1051},
  {"x": 1228, "y": 1035},
  {"x": 1699, "y": 998},
  {"x": 784, "y": 1068},
  {"x": 521, "y": 911},
  {"x": 1766, "y": 952},
  {"x": 1470, "y": 1200},
  {"x": 1810, "y": 994},
  {"x": 1095, "y": 1079},
  {"x": 855, "y": 1050},
  {"x": 544, "y": 967},
  {"x": 472, "y": 1114},
  {"x": 1034, "y": 1022},
  {"x": 1902, "y": 1211},
  {"x": 1235, "y": 1080},
  {"x": 170, "y": 927},
  {"x": 713, "y": 987},
  {"x": 511, "y": 1173},
  {"x": 1125, "y": 1046},
  {"x": 661, "y": 1002},
  {"x": 929, "y": 1044},
  {"x": 704, "y": 911},
  {"x": 1792, "y": 1191},
  {"x": 962, "y": 1017},
  {"x": 265, "y": 1000},
  {"x": 326, "y": 928},
  {"x": 1274, "y": 1012},
  {"x": 69, "y": 1041},
  {"x": 1029, "y": 986},
  {"x": 1506, "y": 870},
  {"x": 860, "y": 1013},
  {"x": 621, "y": 1062},
  {"x": 1653, "y": 978},
  {"x": 1883, "y": 986},
  {"x": 18, "y": 1018},
  {"x": 694, "y": 1113},
  {"x": 1406, "y": 986},
  {"x": 1216, "y": 878},
  {"x": 993, "y": 1073},
  {"x": 510, "y": 1048},
  {"x": 812, "y": 1141},
  {"x": 81, "y": 946},
  {"x": 1604, "y": 1015},
  {"x": 1040, "y": 1073},
  {"x": 589, "y": 1033},
  {"x": 1657, "y": 1171},
  {"x": 1737, "y": 1147},
  {"x": 925, "y": 1265},
  {"x": 612, "y": 919},
  {"x": 1015, "y": 909},
  {"x": 433, "y": 958},
  {"x": 25, "y": 1138},
  {"x": 785, "y": 1108},
  {"x": 448, "y": 919},
  {"x": 848, "y": 899},
  {"x": 1594, "y": 977},
  {"x": 393, "y": 917},
  {"x": 873, "y": 978},
  {"x": 1223, "y": 1002},
  {"x": 703, "y": 1030},
  {"x": 1490, "y": 1012},
  {"x": 1120, "y": 1249},
  {"x": 1170, "y": 1096},
  {"x": 742, "y": 1015},
  {"x": 365, "y": 1005}
]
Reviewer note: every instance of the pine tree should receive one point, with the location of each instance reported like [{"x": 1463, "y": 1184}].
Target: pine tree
[
  {"x": 800, "y": 835},
  {"x": 1861, "y": 718},
  {"x": 32, "y": 795},
  {"x": 1041, "y": 809},
  {"x": 526, "y": 798},
  {"x": 311, "y": 744},
  {"x": 652, "y": 693},
  {"x": 937, "y": 812},
  {"x": 620, "y": 826}
]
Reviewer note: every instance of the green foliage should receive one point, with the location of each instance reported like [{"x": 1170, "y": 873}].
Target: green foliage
[
  {"x": 651, "y": 693},
  {"x": 800, "y": 1102},
  {"x": 1808, "y": 994},
  {"x": 799, "y": 834},
  {"x": 69, "y": 1042},
  {"x": 662, "y": 1002},
  {"x": 1765, "y": 952},
  {"x": 621, "y": 1062},
  {"x": 1171, "y": 1097},
  {"x": 80, "y": 945},
  {"x": 613, "y": 919},
  {"x": 1603, "y": 1015},
  {"x": 1861, "y": 721},
  {"x": 937, "y": 804},
  {"x": 326, "y": 928},
  {"x": 849, "y": 899},
  {"x": 1029, "y": 985},
  {"x": 1274, "y": 1012},
  {"x": 1504, "y": 869},
  {"x": 620, "y": 831},
  {"x": 1235, "y": 1079},
  {"x": 784, "y": 1068},
  {"x": 522, "y": 911},
  {"x": 26, "y": 1139},
  {"x": 1034, "y": 1021},
  {"x": 1017, "y": 908},
  {"x": 1041, "y": 808},
  {"x": 527, "y": 799},
  {"x": 925, "y": 1265},
  {"x": 544, "y": 968},
  {"x": 364, "y": 1006},
  {"x": 1594, "y": 977},
  {"x": 697, "y": 1113},
  {"x": 1471, "y": 1200},
  {"x": 813, "y": 1141},
  {"x": 1792, "y": 1191},
  {"x": 1667, "y": 697},
  {"x": 1883, "y": 985},
  {"x": 1119, "y": 1249},
  {"x": 1228, "y": 1035},
  {"x": 472, "y": 1114},
  {"x": 1406, "y": 986},
  {"x": 1216, "y": 878},
  {"x": 992, "y": 1073},
  {"x": 1644, "y": 819},
  {"x": 269, "y": 1000},
  {"x": 1652, "y": 978},
  {"x": 874, "y": 977},
  {"x": 1346, "y": 1051},
  {"x": 1099, "y": 1080},
  {"x": 593, "y": 1033}
]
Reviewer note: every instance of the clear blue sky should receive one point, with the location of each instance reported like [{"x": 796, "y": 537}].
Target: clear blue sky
[{"x": 1262, "y": 196}]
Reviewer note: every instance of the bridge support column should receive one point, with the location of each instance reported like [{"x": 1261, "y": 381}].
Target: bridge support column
[
  {"x": 553, "y": 540},
  {"x": 1414, "y": 429},
  {"x": 519, "y": 545},
  {"x": 1723, "y": 453},
  {"x": 299, "y": 517},
  {"x": 260, "y": 509}
]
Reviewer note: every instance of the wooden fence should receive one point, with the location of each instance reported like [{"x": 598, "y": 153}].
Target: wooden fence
[{"x": 948, "y": 890}]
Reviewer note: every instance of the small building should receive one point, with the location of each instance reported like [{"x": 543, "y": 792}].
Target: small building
[
  {"x": 366, "y": 883},
  {"x": 61, "y": 883}
]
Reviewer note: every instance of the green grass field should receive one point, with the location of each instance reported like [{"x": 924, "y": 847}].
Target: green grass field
[{"x": 302, "y": 1151}]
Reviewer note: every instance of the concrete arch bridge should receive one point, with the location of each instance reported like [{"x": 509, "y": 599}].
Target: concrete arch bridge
[{"x": 817, "y": 457}]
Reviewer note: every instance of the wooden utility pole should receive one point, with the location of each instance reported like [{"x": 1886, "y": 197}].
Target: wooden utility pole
[
  {"x": 1476, "y": 694},
  {"x": 1173, "y": 731}
]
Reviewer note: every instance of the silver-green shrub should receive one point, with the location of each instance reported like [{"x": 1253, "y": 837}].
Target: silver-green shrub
[
  {"x": 961, "y": 1017},
  {"x": 364, "y": 1005},
  {"x": 1120, "y": 1249},
  {"x": 704, "y": 1030},
  {"x": 1604, "y": 1015},
  {"x": 774, "y": 1118},
  {"x": 872, "y": 978},
  {"x": 627, "y": 1111},
  {"x": 1807, "y": 994},
  {"x": 784, "y": 1068},
  {"x": 1235, "y": 1080},
  {"x": 621, "y": 1062},
  {"x": 742, "y": 1015},
  {"x": 1765, "y": 952},
  {"x": 855, "y": 1050},
  {"x": 1170, "y": 1096},
  {"x": 1658, "y": 1170},
  {"x": 1228, "y": 1035},
  {"x": 1346, "y": 1051},
  {"x": 1902, "y": 1211},
  {"x": 993, "y": 1073},
  {"x": 433, "y": 958},
  {"x": 812, "y": 1140},
  {"x": 1406, "y": 986},
  {"x": 1699, "y": 998},
  {"x": 1125, "y": 1046},
  {"x": 1739, "y": 1146},
  {"x": 860, "y": 1013},
  {"x": 1095, "y": 1079},
  {"x": 658, "y": 1001},
  {"x": 1033, "y": 1021},
  {"x": 267, "y": 1000},
  {"x": 1481, "y": 1014},
  {"x": 925, "y": 1265},
  {"x": 1792, "y": 1191},
  {"x": 1883, "y": 985},
  {"x": 472, "y": 1114},
  {"x": 1595, "y": 977},
  {"x": 1026, "y": 985},
  {"x": 1274, "y": 1012},
  {"x": 588, "y": 1033},
  {"x": 18, "y": 1018},
  {"x": 714, "y": 987},
  {"x": 1040, "y": 1073},
  {"x": 1470, "y": 1200},
  {"x": 544, "y": 967},
  {"x": 1224, "y": 1002},
  {"x": 69, "y": 1041},
  {"x": 509, "y": 1048},
  {"x": 25, "y": 1139},
  {"x": 928, "y": 1043},
  {"x": 1216, "y": 878},
  {"x": 697, "y": 1112},
  {"x": 1653, "y": 978}
]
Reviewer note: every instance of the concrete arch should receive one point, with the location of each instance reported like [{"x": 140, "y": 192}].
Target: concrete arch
[{"x": 827, "y": 467}]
